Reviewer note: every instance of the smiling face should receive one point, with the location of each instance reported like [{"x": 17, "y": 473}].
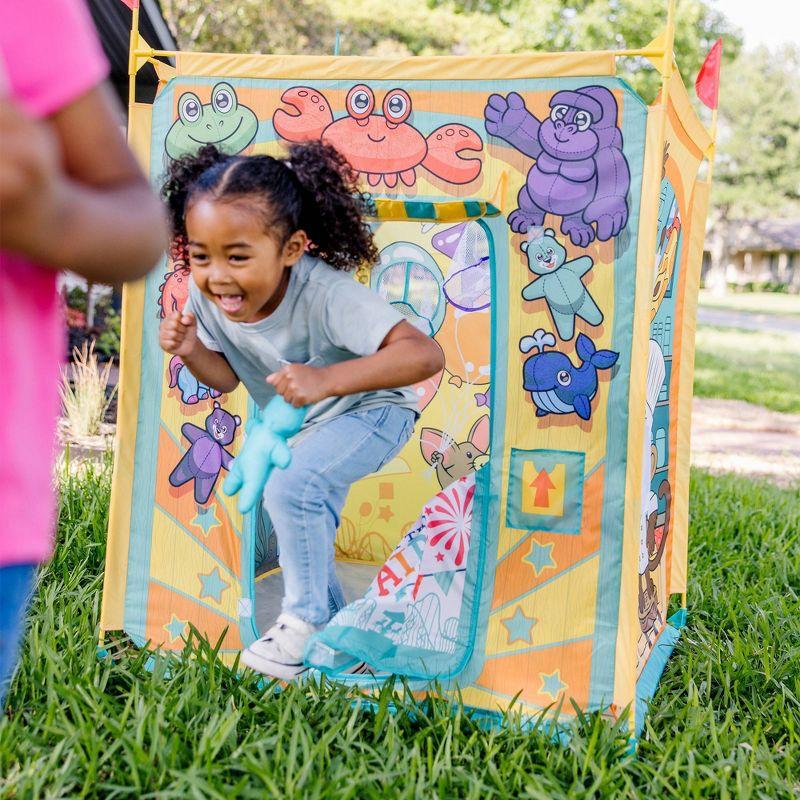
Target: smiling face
[
  {"x": 221, "y": 425},
  {"x": 238, "y": 261},
  {"x": 544, "y": 252},
  {"x": 567, "y": 133},
  {"x": 222, "y": 122},
  {"x": 372, "y": 141}
]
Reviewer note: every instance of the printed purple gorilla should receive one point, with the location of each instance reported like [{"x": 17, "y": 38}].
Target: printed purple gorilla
[
  {"x": 206, "y": 455},
  {"x": 580, "y": 172}
]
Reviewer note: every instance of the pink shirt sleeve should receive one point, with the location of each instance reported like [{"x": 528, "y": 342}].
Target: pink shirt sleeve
[
  {"x": 50, "y": 53},
  {"x": 49, "y": 57}
]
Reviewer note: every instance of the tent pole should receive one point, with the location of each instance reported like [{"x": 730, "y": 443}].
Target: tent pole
[
  {"x": 712, "y": 150},
  {"x": 133, "y": 56}
]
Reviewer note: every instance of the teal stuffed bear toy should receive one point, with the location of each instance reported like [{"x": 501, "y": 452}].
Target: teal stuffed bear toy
[{"x": 264, "y": 448}]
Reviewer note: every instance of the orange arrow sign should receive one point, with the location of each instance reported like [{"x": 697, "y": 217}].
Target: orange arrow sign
[{"x": 543, "y": 485}]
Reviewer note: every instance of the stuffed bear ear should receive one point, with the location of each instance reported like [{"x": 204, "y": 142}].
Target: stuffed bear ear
[
  {"x": 524, "y": 246},
  {"x": 550, "y": 232},
  {"x": 216, "y": 404},
  {"x": 237, "y": 419}
]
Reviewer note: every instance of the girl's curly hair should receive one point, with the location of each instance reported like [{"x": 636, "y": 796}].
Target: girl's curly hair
[{"x": 314, "y": 190}]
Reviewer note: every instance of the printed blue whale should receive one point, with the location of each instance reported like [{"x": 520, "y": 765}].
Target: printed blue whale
[{"x": 557, "y": 386}]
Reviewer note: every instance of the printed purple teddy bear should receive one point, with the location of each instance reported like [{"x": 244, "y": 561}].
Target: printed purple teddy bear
[{"x": 206, "y": 455}]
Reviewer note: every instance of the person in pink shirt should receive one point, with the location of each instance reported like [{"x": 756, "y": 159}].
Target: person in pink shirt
[{"x": 71, "y": 196}]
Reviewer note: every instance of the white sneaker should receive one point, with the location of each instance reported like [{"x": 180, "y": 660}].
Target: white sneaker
[{"x": 279, "y": 652}]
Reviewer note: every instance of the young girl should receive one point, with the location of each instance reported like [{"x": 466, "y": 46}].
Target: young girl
[{"x": 271, "y": 304}]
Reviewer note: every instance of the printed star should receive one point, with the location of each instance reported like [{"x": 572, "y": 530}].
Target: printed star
[
  {"x": 206, "y": 519},
  {"x": 440, "y": 556},
  {"x": 176, "y": 628},
  {"x": 428, "y": 511},
  {"x": 212, "y": 585},
  {"x": 385, "y": 513},
  {"x": 552, "y": 684},
  {"x": 540, "y": 557},
  {"x": 519, "y": 626}
]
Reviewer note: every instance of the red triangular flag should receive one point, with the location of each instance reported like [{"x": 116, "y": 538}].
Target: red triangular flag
[
  {"x": 707, "y": 83},
  {"x": 131, "y": 4}
]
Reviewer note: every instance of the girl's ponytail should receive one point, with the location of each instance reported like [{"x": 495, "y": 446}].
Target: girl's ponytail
[
  {"x": 182, "y": 176},
  {"x": 333, "y": 208}
]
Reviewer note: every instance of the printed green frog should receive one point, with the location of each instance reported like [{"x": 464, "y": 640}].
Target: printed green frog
[{"x": 223, "y": 122}]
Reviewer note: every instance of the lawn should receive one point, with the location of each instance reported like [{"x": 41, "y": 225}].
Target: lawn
[
  {"x": 756, "y": 302},
  {"x": 761, "y": 368},
  {"x": 725, "y": 723}
]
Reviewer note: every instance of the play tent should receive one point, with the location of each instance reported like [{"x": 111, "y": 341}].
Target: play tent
[{"x": 545, "y": 226}]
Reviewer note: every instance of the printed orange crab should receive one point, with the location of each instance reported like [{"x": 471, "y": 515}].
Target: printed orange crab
[{"x": 381, "y": 147}]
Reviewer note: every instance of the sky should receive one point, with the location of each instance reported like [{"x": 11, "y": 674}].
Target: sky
[{"x": 769, "y": 22}]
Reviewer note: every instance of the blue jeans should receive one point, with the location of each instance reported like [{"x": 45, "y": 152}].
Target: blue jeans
[
  {"x": 16, "y": 586},
  {"x": 304, "y": 501}
]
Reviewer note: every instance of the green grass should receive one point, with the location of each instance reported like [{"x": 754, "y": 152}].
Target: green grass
[
  {"x": 757, "y": 302},
  {"x": 761, "y": 368},
  {"x": 725, "y": 723}
]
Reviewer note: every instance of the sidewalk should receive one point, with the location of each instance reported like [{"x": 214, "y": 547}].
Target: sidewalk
[
  {"x": 727, "y": 318},
  {"x": 734, "y": 436}
]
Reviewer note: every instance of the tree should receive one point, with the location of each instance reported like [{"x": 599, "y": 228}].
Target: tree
[
  {"x": 367, "y": 27},
  {"x": 757, "y": 169},
  {"x": 424, "y": 27},
  {"x": 251, "y": 26},
  {"x": 612, "y": 24}
]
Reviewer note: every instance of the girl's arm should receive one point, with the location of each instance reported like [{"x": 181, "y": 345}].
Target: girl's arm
[
  {"x": 73, "y": 195},
  {"x": 178, "y": 335},
  {"x": 406, "y": 356}
]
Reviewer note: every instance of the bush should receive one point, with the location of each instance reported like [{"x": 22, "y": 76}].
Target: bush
[
  {"x": 109, "y": 338},
  {"x": 760, "y": 286},
  {"x": 76, "y": 298}
]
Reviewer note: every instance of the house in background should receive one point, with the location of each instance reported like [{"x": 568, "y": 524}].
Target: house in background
[{"x": 755, "y": 254}]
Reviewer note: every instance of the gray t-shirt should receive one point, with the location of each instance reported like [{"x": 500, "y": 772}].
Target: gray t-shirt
[{"x": 324, "y": 318}]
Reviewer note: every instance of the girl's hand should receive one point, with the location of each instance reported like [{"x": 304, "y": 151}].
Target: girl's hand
[
  {"x": 178, "y": 334},
  {"x": 300, "y": 384}
]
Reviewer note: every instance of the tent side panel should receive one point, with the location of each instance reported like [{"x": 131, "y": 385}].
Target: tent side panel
[
  {"x": 680, "y": 544},
  {"x": 550, "y": 628},
  {"x": 112, "y": 615},
  {"x": 628, "y": 630},
  {"x": 675, "y": 271}
]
